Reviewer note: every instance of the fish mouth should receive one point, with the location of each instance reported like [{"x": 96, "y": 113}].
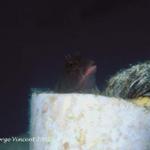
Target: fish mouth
[
  {"x": 90, "y": 70},
  {"x": 93, "y": 68}
]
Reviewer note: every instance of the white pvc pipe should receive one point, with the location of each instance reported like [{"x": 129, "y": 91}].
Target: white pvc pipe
[{"x": 87, "y": 122}]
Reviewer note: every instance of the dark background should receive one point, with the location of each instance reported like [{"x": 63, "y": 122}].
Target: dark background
[{"x": 36, "y": 35}]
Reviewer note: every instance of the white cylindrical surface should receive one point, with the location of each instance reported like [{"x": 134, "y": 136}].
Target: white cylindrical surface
[{"x": 87, "y": 122}]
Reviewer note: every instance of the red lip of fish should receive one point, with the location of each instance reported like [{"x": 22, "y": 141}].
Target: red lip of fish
[{"x": 88, "y": 72}]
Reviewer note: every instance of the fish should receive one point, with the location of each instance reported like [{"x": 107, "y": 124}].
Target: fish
[{"x": 79, "y": 75}]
